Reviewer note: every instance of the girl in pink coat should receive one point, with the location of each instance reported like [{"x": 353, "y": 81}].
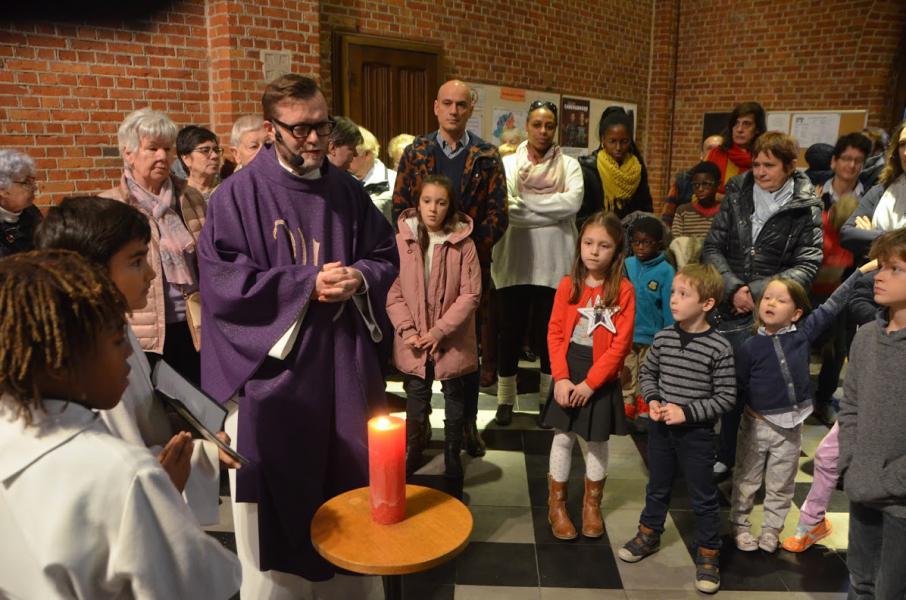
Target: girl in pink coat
[{"x": 432, "y": 307}]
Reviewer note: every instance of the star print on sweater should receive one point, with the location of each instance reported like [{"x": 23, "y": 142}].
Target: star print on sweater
[{"x": 599, "y": 315}]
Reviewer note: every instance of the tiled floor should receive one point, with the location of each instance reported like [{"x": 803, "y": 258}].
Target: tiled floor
[{"x": 512, "y": 553}]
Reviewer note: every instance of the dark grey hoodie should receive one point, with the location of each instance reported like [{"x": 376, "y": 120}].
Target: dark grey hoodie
[{"x": 873, "y": 419}]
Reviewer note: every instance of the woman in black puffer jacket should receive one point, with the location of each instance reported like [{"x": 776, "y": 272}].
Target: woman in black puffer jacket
[{"x": 769, "y": 224}]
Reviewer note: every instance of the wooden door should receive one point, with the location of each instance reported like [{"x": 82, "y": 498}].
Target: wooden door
[{"x": 387, "y": 85}]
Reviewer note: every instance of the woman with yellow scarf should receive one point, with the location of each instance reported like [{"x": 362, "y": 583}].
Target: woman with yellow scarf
[{"x": 615, "y": 176}]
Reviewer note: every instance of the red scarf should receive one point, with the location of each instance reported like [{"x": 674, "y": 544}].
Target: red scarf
[{"x": 739, "y": 156}]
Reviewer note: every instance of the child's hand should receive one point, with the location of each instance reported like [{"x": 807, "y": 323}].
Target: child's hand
[
  {"x": 176, "y": 458},
  {"x": 655, "y": 410},
  {"x": 673, "y": 414},
  {"x": 580, "y": 394},
  {"x": 562, "y": 390},
  {"x": 412, "y": 341},
  {"x": 871, "y": 265},
  {"x": 225, "y": 459},
  {"x": 428, "y": 343}
]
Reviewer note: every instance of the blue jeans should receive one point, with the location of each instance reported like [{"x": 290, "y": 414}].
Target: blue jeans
[
  {"x": 671, "y": 448},
  {"x": 877, "y": 554}
]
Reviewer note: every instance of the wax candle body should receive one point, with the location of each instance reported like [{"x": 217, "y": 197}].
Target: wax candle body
[{"x": 387, "y": 469}]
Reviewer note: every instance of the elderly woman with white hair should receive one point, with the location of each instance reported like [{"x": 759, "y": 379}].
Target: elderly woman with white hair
[
  {"x": 166, "y": 326},
  {"x": 246, "y": 139},
  {"x": 374, "y": 175},
  {"x": 18, "y": 215}
]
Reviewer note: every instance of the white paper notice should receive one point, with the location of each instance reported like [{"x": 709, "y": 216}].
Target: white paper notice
[
  {"x": 476, "y": 123},
  {"x": 814, "y": 128},
  {"x": 779, "y": 121}
]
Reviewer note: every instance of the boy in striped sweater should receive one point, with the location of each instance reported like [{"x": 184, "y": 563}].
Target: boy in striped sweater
[{"x": 688, "y": 380}]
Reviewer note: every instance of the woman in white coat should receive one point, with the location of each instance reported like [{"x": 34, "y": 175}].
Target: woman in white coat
[{"x": 544, "y": 188}]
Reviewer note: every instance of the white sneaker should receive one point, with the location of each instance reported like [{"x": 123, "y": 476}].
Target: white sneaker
[
  {"x": 746, "y": 542},
  {"x": 768, "y": 541}
]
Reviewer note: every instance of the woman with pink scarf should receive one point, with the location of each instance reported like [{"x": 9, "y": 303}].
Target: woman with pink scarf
[
  {"x": 147, "y": 141},
  {"x": 544, "y": 188}
]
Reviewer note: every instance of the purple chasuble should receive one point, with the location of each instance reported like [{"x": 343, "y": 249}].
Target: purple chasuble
[{"x": 302, "y": 420}]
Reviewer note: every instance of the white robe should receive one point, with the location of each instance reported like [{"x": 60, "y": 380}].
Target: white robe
[
  {"x": 84, "y": 514},
  {"x": 140, "y": 419}
]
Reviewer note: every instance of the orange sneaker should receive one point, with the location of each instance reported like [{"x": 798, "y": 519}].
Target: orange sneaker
[
  {"x": 806, "y": 537},
  {"x": 629, "y": 410}
]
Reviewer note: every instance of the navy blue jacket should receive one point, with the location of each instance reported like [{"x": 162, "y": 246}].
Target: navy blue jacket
[{"x": 772, "y": 370}]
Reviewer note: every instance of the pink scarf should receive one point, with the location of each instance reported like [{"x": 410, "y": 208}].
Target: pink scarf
[
  {"x": 176, "y": 245},
  {"x": 546, "y": 177}
]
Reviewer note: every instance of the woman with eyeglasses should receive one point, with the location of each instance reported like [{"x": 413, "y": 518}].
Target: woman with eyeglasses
[
  {"x": 18, "y": 215},
  {"x": 200, "y": 155},
  {"x": 544, "y": 189},
  {"x": 167, "y": 326},
  {"x": 615, "y": 176}
]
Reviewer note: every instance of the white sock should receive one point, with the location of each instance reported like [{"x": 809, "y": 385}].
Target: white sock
[
  {"x": 596, "y": 460},
  {"x": 506, "y": 390},
  {"x": 561, "y": 455}
]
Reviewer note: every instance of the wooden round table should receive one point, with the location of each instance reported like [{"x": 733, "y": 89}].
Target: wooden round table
[{"x": 436, "y": 528}]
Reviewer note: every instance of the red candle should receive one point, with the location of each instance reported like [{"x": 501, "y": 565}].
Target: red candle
[{"x": 387, "y": 469}]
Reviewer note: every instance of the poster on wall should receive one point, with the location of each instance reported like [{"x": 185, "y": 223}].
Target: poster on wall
[
  {"x": 506, "y": 124},
  {"x": 574, "y": 125},
  {"x": 814, "y": 128}
]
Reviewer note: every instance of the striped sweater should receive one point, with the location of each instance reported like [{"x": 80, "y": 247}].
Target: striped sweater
[{"x": 693, "y": 370}]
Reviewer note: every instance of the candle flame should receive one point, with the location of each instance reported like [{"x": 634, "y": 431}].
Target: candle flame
[{"x": 383, "y": 423}]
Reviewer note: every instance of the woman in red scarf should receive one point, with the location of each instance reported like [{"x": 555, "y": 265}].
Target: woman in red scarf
[{"x": 734, "y": 156}]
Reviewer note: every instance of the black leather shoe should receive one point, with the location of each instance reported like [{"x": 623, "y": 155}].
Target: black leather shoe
[
  {"x": 452, "y": 461},
  {"x": 473, "y": 441},
  {"x": 504, "y": 414}
]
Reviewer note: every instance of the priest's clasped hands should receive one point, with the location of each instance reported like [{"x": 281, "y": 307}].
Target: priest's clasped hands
[{"x": 337, "y": 283}]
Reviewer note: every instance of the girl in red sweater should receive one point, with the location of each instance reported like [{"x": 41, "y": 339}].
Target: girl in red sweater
[{"x": 589, "y": 336}]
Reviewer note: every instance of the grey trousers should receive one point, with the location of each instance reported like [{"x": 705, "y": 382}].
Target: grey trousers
[{"x": 770, "y": 454}]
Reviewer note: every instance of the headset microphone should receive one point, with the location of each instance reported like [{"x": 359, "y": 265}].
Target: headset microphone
[{"x": 294, "y": 159}]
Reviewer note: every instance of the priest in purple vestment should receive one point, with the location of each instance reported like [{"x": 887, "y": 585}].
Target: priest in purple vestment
[{"x": 295, "y": 265}]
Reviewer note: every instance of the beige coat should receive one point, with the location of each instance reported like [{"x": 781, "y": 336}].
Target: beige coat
[{"x": 149, "y": 323}]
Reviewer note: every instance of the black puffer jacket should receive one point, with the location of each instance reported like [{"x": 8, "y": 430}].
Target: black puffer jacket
[
  {"x": 593, "y": 199},
  {"x": 789, "y": 244}
]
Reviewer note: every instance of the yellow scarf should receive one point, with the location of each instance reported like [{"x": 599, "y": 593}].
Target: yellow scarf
[{"x": 620, "y": 181}]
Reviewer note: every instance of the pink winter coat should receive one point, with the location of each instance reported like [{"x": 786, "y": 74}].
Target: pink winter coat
[{"x": 446, "y": 309}]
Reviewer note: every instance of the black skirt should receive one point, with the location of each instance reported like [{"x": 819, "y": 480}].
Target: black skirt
[{"x": 601, "y": 417}]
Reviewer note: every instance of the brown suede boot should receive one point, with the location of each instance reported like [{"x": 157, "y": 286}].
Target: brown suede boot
[
  {"x": 592, "y": 524},
  {"x": 561, "y": 526}
]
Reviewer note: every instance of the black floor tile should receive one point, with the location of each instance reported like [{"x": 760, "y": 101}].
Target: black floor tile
[
  {"x": 452, "y": 487},
  {"x": 485, "y": 563},
  {"x": 503, "y": 439},
  {"x": 749, "y": 571},
  {"x": 537, "y": 441},
  {"x": 819, "y": 569},
  {"x": 440, "y": 575},
  {"x": 543, "y": 534},
  {"x": 578, "y": 566},
  {"x": 429, "y": 591},
  {"x": 226, "y": 539}
]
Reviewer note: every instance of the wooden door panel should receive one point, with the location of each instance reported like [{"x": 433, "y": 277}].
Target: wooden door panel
[{"x": 388, "y": 86}]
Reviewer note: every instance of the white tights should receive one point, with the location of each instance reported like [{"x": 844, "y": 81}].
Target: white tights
[{"x": 562, "y": 453}]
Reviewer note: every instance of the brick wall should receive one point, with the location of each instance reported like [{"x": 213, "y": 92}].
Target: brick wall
[
  {"x": 805, "y": 55},
  {"x": 589, "y": 48},
  {"x": 65, "y": 87}
]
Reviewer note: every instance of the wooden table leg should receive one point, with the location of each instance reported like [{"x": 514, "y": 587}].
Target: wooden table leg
[{"x": 393, "y": 587}]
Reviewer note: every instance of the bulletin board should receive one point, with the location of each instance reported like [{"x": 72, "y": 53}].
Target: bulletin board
[
  {"x": 816, "y": 126},
  {"x": 499, "y": 108}
]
